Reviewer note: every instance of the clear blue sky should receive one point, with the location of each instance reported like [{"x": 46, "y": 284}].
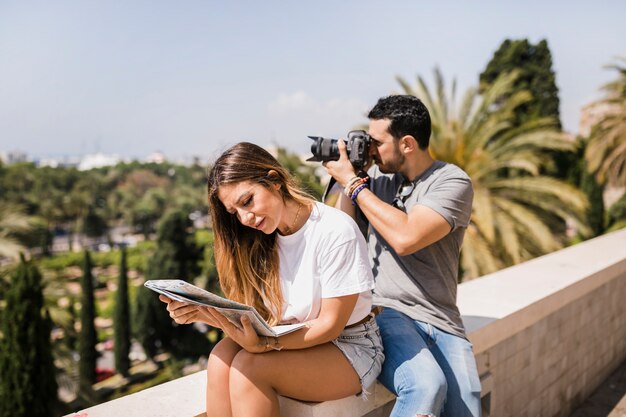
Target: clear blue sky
[{"x": 191, "y": 77}]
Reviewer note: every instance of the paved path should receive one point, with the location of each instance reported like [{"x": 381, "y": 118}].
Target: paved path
[{"x": 609, "y": 400}]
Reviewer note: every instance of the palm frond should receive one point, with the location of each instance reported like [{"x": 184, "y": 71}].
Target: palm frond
[{"x": 514, "y": 216}]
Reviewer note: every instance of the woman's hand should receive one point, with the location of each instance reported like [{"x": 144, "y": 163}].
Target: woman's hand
[
  {"x": 185, "y": 313},
  {"x": 245, "y": 336}
]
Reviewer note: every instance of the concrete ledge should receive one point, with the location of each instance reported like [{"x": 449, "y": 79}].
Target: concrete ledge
[
  {"x": 186, "y": 397},
  {"x": 545, "y": 334},
  {"x": 499, "y": 305},
  {"x": 182, "y": 397}
]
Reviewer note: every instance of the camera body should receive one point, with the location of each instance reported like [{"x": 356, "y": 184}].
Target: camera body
[{"x": 357, "y": 146}]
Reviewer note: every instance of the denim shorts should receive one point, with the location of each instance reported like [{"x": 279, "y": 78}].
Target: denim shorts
[{"x": 363, "y": 347}]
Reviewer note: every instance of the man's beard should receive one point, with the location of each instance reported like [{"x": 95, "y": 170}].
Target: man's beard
[{"x": 392, "y": 166}]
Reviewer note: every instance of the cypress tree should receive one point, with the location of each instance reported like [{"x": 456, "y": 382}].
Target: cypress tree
[
  {"x": 177, "y": 256},
  {"x": 122, "y": 320},
  {"x": 534, "y": 63},
  {"x": 28, "y": 385},
  {"x": 88, "y": 336}
]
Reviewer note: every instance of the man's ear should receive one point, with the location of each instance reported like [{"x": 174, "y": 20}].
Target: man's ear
[{"x": 408, "y": 144}]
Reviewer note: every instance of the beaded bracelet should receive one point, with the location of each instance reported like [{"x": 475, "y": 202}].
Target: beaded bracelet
[
  {"x": 349, "y": 184},
  {"x": 276, "y": 345},
  {"x": 271, "y": 346},
  {"x": 356, "y": 184},
  {"x": 356, "y": 192}
]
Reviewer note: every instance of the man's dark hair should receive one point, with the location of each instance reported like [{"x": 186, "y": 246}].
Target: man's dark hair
[{"x": 408, "y": 115}]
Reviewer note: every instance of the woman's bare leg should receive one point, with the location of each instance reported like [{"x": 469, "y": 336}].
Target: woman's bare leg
[
  {"x": 218, "y": 371},
  {"x": 319, "y": 373}
]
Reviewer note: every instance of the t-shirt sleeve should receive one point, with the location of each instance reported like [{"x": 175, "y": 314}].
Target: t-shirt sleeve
[
  {"x": 451, "y": 197},
  {"x": 345, "y": 268}
]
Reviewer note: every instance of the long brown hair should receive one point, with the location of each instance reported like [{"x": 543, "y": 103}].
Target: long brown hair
[{"x": 247, "y": 259}]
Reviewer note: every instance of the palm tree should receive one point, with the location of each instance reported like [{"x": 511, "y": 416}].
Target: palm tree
[
  {"x": 606, "y": 151},
  {"x": 517, "y": 209},
  {"x": 13, "y": 221}
]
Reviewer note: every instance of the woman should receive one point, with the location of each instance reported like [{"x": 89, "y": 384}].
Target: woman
[{"x": 295, "y": 261}]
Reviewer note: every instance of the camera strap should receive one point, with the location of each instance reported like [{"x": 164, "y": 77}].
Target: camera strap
[
  {"x": 361, "y": 220},
  {"x": 329, "y": 187}
]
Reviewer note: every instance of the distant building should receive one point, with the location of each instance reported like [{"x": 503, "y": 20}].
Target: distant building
[
  {"x": 98, "y": 160},
  {"x": 157, "y": 157},
  {"x": 48, "y": 162},
  {"x": 13, "y": 157}
]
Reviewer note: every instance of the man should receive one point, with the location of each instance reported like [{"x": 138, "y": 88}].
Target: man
[{"x": 418, "y": 210}]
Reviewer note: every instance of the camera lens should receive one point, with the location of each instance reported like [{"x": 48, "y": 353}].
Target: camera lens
[{"x": 324, "y": 149}]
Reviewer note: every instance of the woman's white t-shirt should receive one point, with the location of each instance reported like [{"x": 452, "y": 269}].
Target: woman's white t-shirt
[{"x": 326, "y": 258}]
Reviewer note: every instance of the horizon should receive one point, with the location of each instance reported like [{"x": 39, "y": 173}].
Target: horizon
[{"x": 191, "y": 79}]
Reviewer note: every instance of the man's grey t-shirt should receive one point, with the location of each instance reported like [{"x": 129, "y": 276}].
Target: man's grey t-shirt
[{"x": 423, "y": 285}]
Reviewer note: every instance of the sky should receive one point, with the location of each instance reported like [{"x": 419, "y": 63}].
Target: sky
[{"x": 190, "y": 78}]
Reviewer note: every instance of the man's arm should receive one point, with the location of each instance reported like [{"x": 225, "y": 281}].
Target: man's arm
[{"x": 405, "y": 232}]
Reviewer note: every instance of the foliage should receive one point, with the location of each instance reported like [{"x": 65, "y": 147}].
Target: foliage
[
  {"x": 28, "y": 386},
  {"x": 594, "y": 192},
  {"x": 616, "y": 215},
  {"x": 136, "y": 258},
  {"x": 533, "y": 63},
  {"x": 606, "y": 153},
  {"x": 515, "y": 217},
  {"x": 535, "y": 75},
  {"x": 93, "y": 224},
  {"x": 88, "y": 336},
  {"x": 121, "y": 320},
  {"x": 92, "y": 201},
  {"x": 13, "y": 221},
  {"x": 176, "y": 256},
  {"x": 305, "y": 173},
  {"x": 579, "y": 175},
  {"x": 37, "y": 237}
]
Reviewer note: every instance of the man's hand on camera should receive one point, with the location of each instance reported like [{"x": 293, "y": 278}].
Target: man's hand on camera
[{"x": 342, "y": 170}]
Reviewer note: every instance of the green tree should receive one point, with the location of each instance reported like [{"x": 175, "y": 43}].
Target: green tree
[
  {"x": 122, "y": 320},
  {"x": 514, "y": 218},
  {"x": 305, "y": 173},
  {"x": 595, "y": 195},
  {"x": 88, "y": 335},
  {"x": 94, "y": 224},
  {"x": 13, "y": 221},
  {"x": 176, "y": 256},
  {"x": 533, "y": 64},
  {"x": 606, "y": 153},
  {"x": 28, "y": 384},
  {"x": 616, "y": 215}
]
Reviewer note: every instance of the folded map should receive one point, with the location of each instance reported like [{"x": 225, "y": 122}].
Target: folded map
[{"x": 185, "y": 292}]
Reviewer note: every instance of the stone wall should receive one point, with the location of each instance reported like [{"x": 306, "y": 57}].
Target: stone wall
[{"x": 548, "y": 332}]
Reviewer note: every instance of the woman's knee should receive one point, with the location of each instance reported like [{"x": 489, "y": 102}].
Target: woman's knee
[
  {"x": 222, "y": 355},
  {"x": 250, "y": 368},
  {"x": 246, "y": 363}
]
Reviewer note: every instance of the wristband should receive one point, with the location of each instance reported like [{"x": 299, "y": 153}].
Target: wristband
[
  {"x": 357, "y": 184},
  {"x": 276, "y": 345},
  {"x": 349, "y": 184},
  {"x": 356, "y": 192}
]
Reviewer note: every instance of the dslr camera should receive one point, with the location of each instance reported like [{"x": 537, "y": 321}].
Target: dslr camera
[{"x": 357, "y": 144}]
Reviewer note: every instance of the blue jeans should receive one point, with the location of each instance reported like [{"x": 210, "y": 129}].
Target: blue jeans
[{"x": 430, "y": 371}]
